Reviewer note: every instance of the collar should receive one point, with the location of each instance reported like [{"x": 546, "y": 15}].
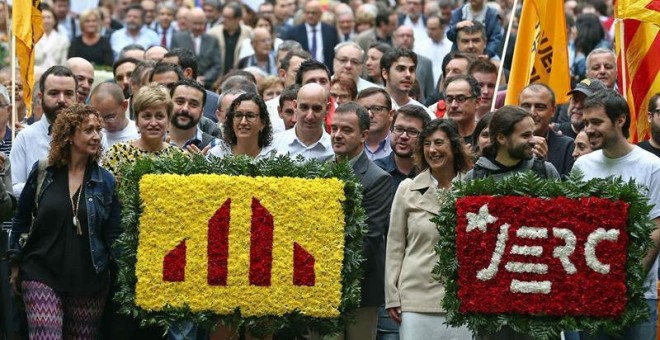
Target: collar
[
  {"x": 355, "y": 159},
  {"x": 317, "y": 27}
]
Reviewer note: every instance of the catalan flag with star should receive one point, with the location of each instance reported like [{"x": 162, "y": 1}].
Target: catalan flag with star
[{"x": 637, "y": 46}]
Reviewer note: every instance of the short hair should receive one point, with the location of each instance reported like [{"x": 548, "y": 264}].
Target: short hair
[
  {"x": 130, "y": 47},
  {"x": 222, "y": 95},
  {"x": 475, "y": 89},
  {"x": 289, "y": 45},
  {"x": 136, "y": 7},
  {"x": 457, "y": 55},
  {"x": 310, "y": 65},
  {"x": 371, "y": 91},
  {"x": 68, "y": 121},
  {"x": 347, "y": 84},
  {"x": 122, "y": 61},
  {"x": 383, "y": 16},
  {"x": 265, "y": 135},
  {"x": 59, "y": 71},
  {"x": 381, "y": 47},
  {"x": 149, "y": 96},
  {"x": 269, "y": 19},
  {"x": 290, "y": 93},
  {"x": 187, "y": 59},
  {"x": 189, "y": 83},
  {"x": 536, "y": 87},
  {"x": 268, "y": 82},
  {"x": 653, "y": 102},
  {"x": 239, "y": 82},
  {"x": 162, "y": 67},
  {"x": 435, "y": 15},
  {"x": 142, "y": 67},
  {"x": 350, "y": 43},
  {"x": 413, "y": 111},
  {"x": 482, "y": 66},
  {"x": 166, "y": 5},
  {"x": 391, "y": 56},
  {"x": 476, "y": 27},
  {"x": 503, "y": 122},
  {"x": 238, "y": 11},
  {"x": 613, "y": 104},
  {"x": 286, "y": 61},
  {"x": 462, "y": 159},
  {"x": 214, "y": 3},
  {"x": 362, "y": 114},
  {"x": 600, "y": 50},
  {"x": 86, "y": 13},
  {"x": 112, "y": 90}
]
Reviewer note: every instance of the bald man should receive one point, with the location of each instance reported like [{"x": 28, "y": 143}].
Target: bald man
[
  {"x": 204, "y": 46},
  {"x": 155, "y": 53},
  {"x": 109, "y": 99},
  {"x": 307, "y": 138},
  {"x": 84, "y": 72}
]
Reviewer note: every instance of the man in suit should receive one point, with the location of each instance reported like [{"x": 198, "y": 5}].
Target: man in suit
[
  {"x": 164, "y": 24},
  {"x": 385, "y": 24},
  {"x": 316, "y": 37},
  {"x": 349, "y": 130},
  {"x": 230, "y": 36},
  {"x": 345, "y": 22},
  {"x": 203, "y": 45},
  {"x": 414, "y": 18},
  {"x": 539, "y": 99},
  {"x": 404, "y": 37}
]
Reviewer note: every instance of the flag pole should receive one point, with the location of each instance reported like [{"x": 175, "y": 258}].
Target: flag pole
[
  {"x": 14, "y": 107},
  {"x": 506, "y": 45},
  {"x": 624, "y": 66}
]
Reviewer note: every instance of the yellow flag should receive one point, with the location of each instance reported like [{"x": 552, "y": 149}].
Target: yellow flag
[
  {"x": 540, "y": 55},
  {"x": 27, "y": 25},
  {"x": 642, "y": 10}
]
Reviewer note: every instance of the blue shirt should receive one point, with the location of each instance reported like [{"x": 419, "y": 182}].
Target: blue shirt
[
  {"x": 145, "y": 37},
  {"x": 383, "y": 150}
]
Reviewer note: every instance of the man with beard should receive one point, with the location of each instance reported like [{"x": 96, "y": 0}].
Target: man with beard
[
  {"x": 134, "y": 32},
  {"x": 607, "y": 123},
  {"x": 511, "y": 148},
  {"x": 188, "y": 98},
  {"x": 582, "y": 90},
  {"x": 653, "y": 144},
  {"x": 84, "y": 72},
  {"x": 109, "y": 100},
  {"x": 379, "y": 105},
  {"x": 58, "y": 91}
]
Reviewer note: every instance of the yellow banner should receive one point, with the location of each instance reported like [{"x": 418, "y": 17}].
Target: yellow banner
[
  {"x": 27, "y": 25},
  {"x": 268, "y": 246},
  {"x": 540, "y": 55},
  {"x": 642, "y": 10}
]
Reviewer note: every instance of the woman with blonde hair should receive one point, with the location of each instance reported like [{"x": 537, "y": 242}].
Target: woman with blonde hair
[
  {"x": 61, "y": 239},
  {"x": 91, "y": 45},
  {"x": 270, "y": 87}
]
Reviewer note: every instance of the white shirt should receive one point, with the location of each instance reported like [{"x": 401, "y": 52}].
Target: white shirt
[
  {"x": 275, "y": 121},
  {"x": 419, "y": 29},
  {"x": 130, "y": 132},
  {"x": 197, "y": 42},
  {"x": 287, "y": 143},
  {"x": 434, "y": 51},
  {"x": 319, "y": 41},
  {"x": 365, "y": 84}
]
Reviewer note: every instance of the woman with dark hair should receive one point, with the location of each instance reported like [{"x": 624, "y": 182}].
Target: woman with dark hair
[
  {"x": 247, "y": 130},
  {"x": 52, "y": 48},
  {"x": 343, "y": 90},
  {"x": 480, "y": 135},
  {"x": 374, "y": 53},
  {"x": 590, "y": 35},
  {"x": 411, "y": 293},
  {"x": 67, "y": 220}
]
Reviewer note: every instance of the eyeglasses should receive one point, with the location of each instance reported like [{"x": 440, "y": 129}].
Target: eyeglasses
[
  {"x": 377, "y": 108},
  {"x": 399, "y": 130},
  {"x": 249, "y": 116},
  {"x": 344, "y": 60},
  {"x": 460, "y": 99}
]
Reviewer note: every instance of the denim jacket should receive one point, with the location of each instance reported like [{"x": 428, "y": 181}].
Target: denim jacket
[{"x": 103, "y": 213}]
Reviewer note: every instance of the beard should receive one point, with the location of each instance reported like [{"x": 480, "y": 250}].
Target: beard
[
  {"x": 192, "y": 122},
  {"x": 655, "y": 132},
  {"x": 51, "y": 112},
  {"x": 520, "y": 152}
]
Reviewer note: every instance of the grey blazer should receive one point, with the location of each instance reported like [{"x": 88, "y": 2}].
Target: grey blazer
[
  {"x": 425, "y": 79},
  {"x": 208, "y": 60}
]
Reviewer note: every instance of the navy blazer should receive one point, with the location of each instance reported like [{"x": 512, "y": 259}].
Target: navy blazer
[
  {"x": 560, "y": 152},
  {"x": 493, "y": 29},
  {"x": 330, "y": 40}
]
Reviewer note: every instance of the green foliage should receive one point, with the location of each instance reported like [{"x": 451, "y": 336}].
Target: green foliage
[
  {"x": 639, "y": 228},
  {"x": 290, "y": 325}
]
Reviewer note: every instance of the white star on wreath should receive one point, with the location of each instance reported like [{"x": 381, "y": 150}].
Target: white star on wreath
[{"x": 480, "y": 220}]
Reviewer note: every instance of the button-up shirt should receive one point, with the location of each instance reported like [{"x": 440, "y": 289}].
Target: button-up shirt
[
  {"x": 145, "y": 37},
  {"x": 288, "y": 143},
  {"x": 383, "y": 149}
]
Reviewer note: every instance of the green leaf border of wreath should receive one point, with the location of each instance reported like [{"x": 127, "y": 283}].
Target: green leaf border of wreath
[
  {"x": 289, "y": 325},
  {"x": 639, "y": 228}
]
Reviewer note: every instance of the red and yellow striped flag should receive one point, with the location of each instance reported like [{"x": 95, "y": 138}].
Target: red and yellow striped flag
[
  {"x": 637, "y": 46},
  {"x": 27, "y": 25},
  {"x": 540, "y": 55}
]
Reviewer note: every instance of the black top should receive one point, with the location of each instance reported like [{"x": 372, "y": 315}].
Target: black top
[
  {"x": 97, "y": 54},
  {"x": 230, "y": 46},
  {"x": 648, "y": 147},
  {"x": 55, "y": 254}
]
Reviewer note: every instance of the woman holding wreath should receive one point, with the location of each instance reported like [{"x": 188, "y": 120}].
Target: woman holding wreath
[{"x": 67, "y": 220}]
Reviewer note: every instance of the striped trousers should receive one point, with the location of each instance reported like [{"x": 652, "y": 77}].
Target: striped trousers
[{"x": 54, "y": 316}]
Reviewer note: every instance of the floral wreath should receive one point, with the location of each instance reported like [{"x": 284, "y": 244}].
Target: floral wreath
[
  {"x": 475, "y": 206},
  {"x": 288, "y": 324}
]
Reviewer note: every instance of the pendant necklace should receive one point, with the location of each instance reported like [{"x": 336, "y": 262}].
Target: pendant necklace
[{"x": 74, "y": 210}]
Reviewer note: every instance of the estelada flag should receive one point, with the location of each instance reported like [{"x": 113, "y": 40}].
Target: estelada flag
[
  {"x": 642, "y": 10},
  {"x": 540, "y": 55},
  {"x": 27, "y": 25}
]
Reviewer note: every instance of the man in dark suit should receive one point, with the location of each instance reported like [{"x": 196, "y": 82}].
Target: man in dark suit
[
  {"x": 316, "y": 37},
  {"x": 205, "y": 47},
  {"x": 539, "y": 99},
  {"x": 349, "y": 130}
]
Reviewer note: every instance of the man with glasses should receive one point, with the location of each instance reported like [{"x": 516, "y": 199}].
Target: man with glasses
[
  {"x": 315, "y": 36},
  {"x": 462, "y": 97},
  {"x": 349, "y": 58},
  {"x": 379, "y": 105},
  {"x": 652, "y": 145}
]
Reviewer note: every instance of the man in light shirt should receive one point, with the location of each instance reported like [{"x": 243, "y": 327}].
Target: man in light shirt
[{"x": 109, "y": 99}]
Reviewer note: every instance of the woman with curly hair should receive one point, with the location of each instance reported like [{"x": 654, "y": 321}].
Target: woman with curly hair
[
  {"x": 152, "y": 105},
  {"x": 247, "y": 130},
  {"x": 67, "y": 220},
  {"x": 411, "y": 293}
]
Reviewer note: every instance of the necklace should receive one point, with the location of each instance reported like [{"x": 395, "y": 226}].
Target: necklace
[{"x": 74, "y": 210}]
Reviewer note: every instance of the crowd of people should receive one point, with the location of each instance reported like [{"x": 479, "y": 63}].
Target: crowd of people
[{"x": 402, "y": 90}]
